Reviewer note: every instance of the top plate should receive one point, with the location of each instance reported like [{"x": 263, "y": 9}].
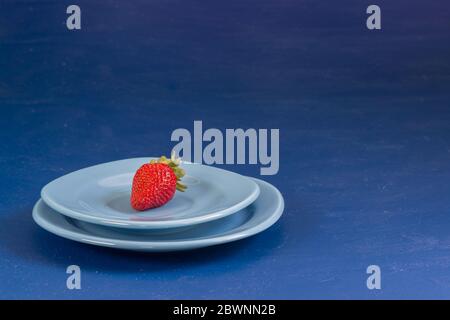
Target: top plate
[{"x": 101, "y": 194}]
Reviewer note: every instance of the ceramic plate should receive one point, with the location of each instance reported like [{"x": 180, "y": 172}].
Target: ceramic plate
[
  {"x": 255, "y": 218},
  {"x": 101, "y": 195}
]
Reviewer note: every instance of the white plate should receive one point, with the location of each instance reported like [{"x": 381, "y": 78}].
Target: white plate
[
  {"x": 101, "y": 195},
  {"x": 255, "y": 218}
]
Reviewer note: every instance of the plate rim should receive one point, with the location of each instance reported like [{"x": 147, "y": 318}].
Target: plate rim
[
  {"x": 176, "y": 245},
  {"x": 150, "y": 225}
]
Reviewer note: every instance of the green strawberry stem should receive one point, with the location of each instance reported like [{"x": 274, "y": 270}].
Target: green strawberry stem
[{"x": 174, "y": 163}]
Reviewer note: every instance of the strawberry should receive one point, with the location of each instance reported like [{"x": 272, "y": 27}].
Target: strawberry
[{"x": 155, "y": 183}]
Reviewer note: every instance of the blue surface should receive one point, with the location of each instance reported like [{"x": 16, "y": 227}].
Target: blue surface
[{"x": 364, "y": 122}]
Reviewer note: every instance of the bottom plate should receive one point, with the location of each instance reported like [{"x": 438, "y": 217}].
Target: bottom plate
[{"x": 255, "y": 218}]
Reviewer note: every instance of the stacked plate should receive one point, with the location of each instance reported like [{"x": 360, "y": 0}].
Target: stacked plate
[{"x": 92, "y": 206}]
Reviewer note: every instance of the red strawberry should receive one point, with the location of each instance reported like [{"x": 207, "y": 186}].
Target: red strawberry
[{"x": 154, "y": 183}]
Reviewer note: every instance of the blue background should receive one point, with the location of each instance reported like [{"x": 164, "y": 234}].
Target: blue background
[{"x": 364, "y": 122}]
